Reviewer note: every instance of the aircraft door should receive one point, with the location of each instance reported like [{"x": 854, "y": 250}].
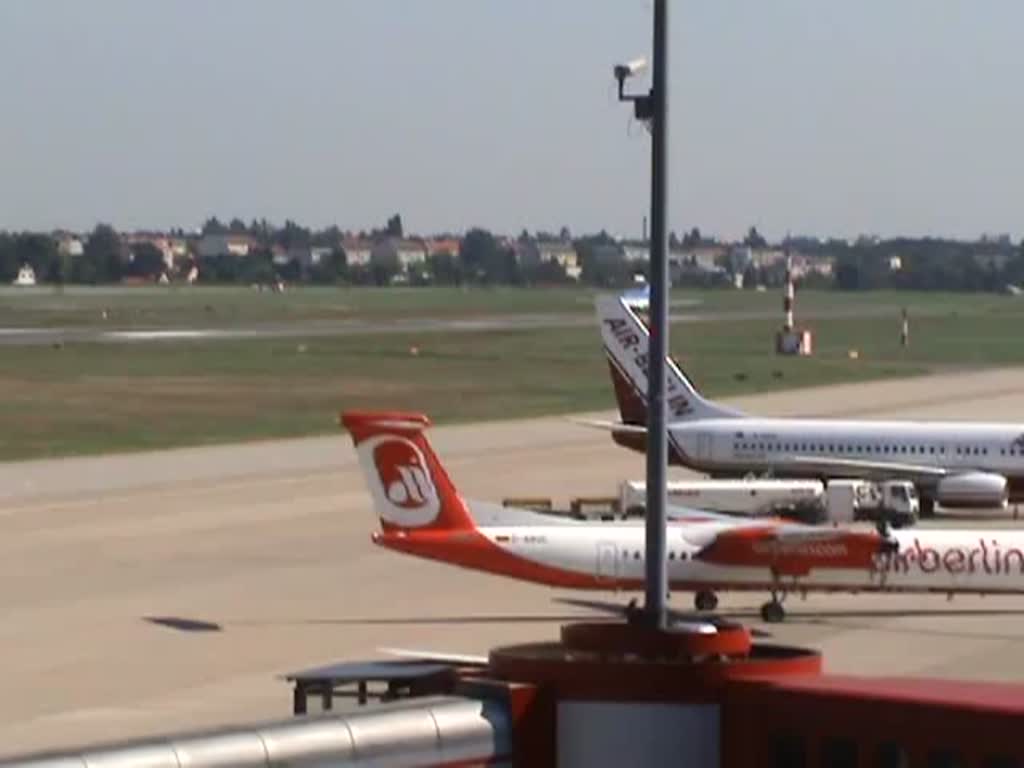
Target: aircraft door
[
  {"x": 607, "y": 561},
  {"x": 703, "y": 446}
]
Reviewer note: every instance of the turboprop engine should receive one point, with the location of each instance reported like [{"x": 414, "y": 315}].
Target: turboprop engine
[{"x": 972, "y": 489}]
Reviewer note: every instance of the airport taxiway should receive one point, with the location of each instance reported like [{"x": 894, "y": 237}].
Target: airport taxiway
[
  {"x": 270, "y": 542},
  {"x": 47, "y": 336}
]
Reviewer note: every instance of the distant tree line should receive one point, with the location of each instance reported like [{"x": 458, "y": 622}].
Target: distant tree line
[
  {"x": 925, "y": 264},
  {"x": 481, "y": 257}
]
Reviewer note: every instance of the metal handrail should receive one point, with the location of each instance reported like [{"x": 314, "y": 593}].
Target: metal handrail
[{"x": 438, "y": 731}]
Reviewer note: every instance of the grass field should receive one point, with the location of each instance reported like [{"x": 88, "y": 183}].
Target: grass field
[{"x": 92, "y": 398}]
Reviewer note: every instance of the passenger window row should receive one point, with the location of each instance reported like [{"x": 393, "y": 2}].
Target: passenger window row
[{"x": 869, "y": 448}]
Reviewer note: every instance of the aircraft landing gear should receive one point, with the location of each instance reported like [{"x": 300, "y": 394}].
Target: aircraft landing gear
[
  {"x": 705, "y": 600},
  {"x": 772, "y": 612}
]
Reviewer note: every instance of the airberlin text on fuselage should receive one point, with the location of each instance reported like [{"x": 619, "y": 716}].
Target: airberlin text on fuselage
[
  {"x": 629, "y": 340},
  {"x": 986, "y": 557}
]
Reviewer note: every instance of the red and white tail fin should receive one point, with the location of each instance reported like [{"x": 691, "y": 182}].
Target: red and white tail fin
[
  {"x": 410, "y": 489},
  {"x": 625, "y": 335}
]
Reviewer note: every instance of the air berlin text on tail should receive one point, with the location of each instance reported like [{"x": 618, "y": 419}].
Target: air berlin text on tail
[{"x": 629, "y": 340}]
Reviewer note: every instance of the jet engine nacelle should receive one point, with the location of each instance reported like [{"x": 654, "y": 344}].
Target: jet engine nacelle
[{"x": 972, "y": 489}]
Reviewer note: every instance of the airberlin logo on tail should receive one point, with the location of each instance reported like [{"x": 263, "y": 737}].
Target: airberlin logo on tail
[{"x": 400, "y": 481}]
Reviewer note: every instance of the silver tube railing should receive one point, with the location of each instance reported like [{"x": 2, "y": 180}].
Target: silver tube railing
[{"x": 437, "y": 731}]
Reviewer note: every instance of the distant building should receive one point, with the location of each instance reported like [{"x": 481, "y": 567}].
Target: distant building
[
  {"x": 444, "y": 245},
  {"x": 319, "y": 254},
  {"x": 173, "y": 249},
  {"x": 279, "y": 255},
  {"x": 305, "y": 256},
  {"x": 636, "y": 250},
  {"x": 227, "y": 244},
  {"x": 706, "y": 257},
  {"x": 399, "y": 254},
  {"x": 411, "y": 253},
  {"x": 357, "y": 252},
  {"x": 767, "y": 257},
  {"x": 560, "y": 251},
  {"x": 69, "y": 244},
  {"x": 26, "y": 276}
]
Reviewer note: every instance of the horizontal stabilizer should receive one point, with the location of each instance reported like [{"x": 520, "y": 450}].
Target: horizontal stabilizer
[
  {"x": 621, "y": 427},
  {"x": 612, "y": 426}
]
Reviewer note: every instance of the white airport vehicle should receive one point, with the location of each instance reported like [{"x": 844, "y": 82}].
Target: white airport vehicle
[
  {"x": 422, "y": 514},
  {"x": 954, "y": 464},
  {"x": 811, "y": 500},
  {"x": 750, "y": 496},
  {"x": 894, "y": 501}
]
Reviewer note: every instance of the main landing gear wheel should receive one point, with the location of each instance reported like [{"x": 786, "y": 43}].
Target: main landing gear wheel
[
  {"x": 705, "y": 600},
  {"x": 772, "y": 612}
]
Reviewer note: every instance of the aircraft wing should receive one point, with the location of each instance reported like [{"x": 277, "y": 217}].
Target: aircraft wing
[{"x": 862, "y": 467}]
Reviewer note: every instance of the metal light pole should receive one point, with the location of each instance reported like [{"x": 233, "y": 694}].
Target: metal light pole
[
  {"x": 652, "y": 108},
  {"x": 656, "y": 591}
]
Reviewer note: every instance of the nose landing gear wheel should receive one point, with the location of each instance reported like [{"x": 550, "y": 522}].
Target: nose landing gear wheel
[
  {"x": 705, "y": 600},
  {"x": 772, "y": 612}
]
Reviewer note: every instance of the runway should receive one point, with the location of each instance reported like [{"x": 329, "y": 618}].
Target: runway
[
  {"x": 271, "y": 542},
  {"x": 48, "y": 336}
]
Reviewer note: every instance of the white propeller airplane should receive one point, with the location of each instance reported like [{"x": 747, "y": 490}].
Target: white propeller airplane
[
  {"x": 955, "y": 464},
  {"x": 422, "y": 514}
]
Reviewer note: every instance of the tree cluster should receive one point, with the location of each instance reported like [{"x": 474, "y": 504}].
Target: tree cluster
[{"x": 481, "y": 257}]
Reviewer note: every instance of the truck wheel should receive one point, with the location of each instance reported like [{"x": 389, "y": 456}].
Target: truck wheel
[
  {"x": 705, "y": 600},
  {"x": 927, "y": 507}
]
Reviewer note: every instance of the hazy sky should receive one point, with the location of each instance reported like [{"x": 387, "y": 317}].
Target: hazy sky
[{"x": 814, "y": 116}]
